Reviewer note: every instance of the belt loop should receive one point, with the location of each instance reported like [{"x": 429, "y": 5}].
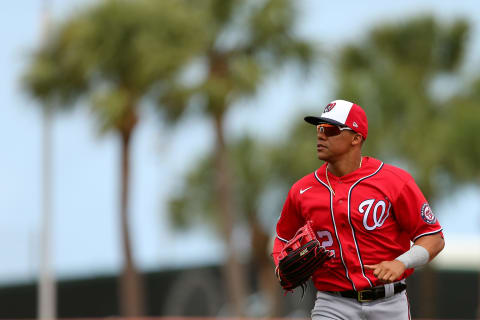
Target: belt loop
[{"x": 389, "y": 290}]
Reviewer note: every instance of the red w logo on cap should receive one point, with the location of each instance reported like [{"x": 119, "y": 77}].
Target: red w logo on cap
[{"x": 329, "y": 107}]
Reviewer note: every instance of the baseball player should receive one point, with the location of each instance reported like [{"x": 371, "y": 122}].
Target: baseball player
[{"x": 371, "y": 215}]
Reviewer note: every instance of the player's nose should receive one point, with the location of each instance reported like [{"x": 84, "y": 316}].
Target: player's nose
[{"x": 321, "y": 136}]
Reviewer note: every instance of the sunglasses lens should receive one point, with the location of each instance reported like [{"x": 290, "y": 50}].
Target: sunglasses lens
[
  {"x": 332, "y": 131},
  {"x": 329, "y": 130}
]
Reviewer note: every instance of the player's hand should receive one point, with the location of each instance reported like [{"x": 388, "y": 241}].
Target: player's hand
[{"x": 387, "y": 271}]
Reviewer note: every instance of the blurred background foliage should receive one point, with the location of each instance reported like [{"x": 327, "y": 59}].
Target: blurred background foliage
[
  {"x": 118, "y": 54},
  {"x": 208, "y": 55},
  {"x": 394, "y": 73}
]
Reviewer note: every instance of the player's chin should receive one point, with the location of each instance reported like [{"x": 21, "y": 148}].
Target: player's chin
[{"x": 321, "y": 154}]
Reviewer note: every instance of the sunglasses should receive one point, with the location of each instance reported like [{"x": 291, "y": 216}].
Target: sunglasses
[{"x": 330, "y": 130}]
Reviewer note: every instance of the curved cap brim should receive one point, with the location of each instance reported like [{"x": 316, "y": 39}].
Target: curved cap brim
[{"x": 318, "y": 120}]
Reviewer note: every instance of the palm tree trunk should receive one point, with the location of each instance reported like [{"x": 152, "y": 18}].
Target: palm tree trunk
[
  {"x": 233, "y": 272},
  {"x": 131, "y": 286}
]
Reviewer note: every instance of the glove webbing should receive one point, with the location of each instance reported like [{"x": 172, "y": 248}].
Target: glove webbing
[
  {"x": 296, "y": 270},
  {"x": 294, "y": 263}
]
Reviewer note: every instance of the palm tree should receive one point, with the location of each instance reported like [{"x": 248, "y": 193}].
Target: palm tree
[
  {"x": 251, "y": 183},
  {"x": 394, "y": 74},
  {"x": 247, "y": 41},
  {"x": 119, "y": 55}
]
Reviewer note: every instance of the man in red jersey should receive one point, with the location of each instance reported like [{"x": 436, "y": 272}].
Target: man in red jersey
[{"x": 368, "y": 213}]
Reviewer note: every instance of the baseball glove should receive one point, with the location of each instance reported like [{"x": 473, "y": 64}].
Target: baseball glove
[{"x": 299, "y": 258}]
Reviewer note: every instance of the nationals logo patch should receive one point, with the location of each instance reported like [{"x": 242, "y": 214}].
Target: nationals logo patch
[
  {"x": 329, "y": 107},
  {"x": 379, "y": 214},
  {"x": 427, "y": 214}
]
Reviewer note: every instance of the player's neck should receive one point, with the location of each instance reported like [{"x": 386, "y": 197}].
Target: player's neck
[{"x": 345, "y": 166}]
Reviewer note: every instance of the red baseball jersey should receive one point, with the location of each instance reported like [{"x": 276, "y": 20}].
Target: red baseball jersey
[{"x": 370, "y": 216}]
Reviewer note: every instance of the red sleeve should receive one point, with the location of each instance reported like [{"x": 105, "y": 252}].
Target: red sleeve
[
  {"x": 413, "y": 212},
  {"x": 288, "y": 224}
]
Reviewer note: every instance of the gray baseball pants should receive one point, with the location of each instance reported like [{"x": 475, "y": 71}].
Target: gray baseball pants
[{"x": 332, "y": 306}]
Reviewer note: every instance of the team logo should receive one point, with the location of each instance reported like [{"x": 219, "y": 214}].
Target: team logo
[
  {"x": 355, "y": 124},
  {"x": 427, "y": 214},
  {"x": 375, "y": 218},
  {"x": 329, "y": 107}
]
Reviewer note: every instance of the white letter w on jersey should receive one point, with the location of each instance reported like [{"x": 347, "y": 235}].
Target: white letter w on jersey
[{"x": 378, "y": 218}]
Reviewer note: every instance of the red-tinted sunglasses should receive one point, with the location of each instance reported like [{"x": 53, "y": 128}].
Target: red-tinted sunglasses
[{"x": 330, "y": 130}]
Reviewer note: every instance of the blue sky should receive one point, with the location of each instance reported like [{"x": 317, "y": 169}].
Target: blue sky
[{"x": 85, "y": 179}]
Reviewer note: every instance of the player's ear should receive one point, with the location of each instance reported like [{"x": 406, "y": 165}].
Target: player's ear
[{"x": 357, "y": 139}]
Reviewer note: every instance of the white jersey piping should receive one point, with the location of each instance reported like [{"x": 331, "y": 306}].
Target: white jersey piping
[
  {"x": 426, "y": 234},
  {"x": 335, "y": 228},
  {"x": 351, "y": 225}
]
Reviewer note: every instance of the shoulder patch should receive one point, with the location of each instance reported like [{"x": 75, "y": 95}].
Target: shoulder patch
[{"x": 427, "y": 214}]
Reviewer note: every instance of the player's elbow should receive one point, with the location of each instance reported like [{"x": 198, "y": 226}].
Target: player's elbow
[
  {"x": 437, "y": 247},
  {"x": 434, "y": 243},
  {"x": 441, "y": 244}
]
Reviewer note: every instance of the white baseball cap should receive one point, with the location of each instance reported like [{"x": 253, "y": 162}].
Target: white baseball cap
[{"x": 343, "y": 113}]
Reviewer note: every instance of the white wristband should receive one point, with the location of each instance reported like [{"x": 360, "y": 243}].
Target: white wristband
[{"x": 417, "y": 256}]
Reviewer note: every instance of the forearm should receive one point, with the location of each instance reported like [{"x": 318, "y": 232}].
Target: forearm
[
  {"x": 433, "y": 244},
  {"x": 423, "y": 251}
]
